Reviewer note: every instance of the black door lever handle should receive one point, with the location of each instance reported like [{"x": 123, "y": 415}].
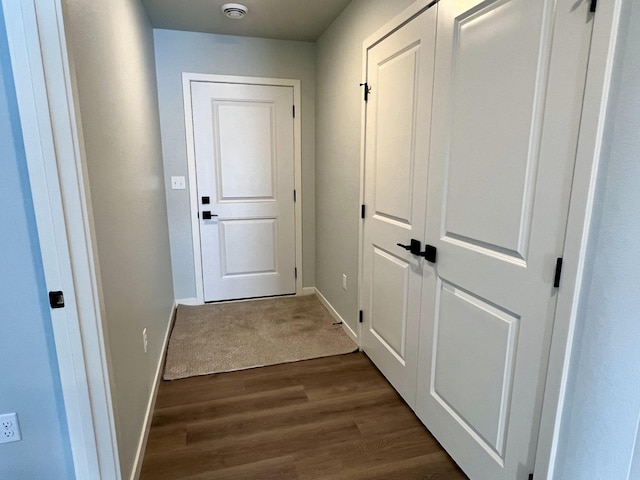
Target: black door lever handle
[
  {"x": 414, "y": 247},
  {"x": 208, "y": 215},
  {"x": 430, "y": 253}
]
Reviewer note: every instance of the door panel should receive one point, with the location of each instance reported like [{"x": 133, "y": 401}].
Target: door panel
[
  {"x": 495, "y": 57},
  {"x": 390, "y": 285},
  {"x": 243, "y": 136},
  {"x": 394, "y": 149},
  {"x": 400, "y": 73},
  {"x": 248, "y": 247},
  {"x": 246, "y": 169},
  {"x": 473, "y": 355},
  {"x": 506, "y": 111}
]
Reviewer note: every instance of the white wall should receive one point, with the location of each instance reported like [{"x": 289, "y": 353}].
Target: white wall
[
  {"x": 600, "y": 421},
  {"x": 339, "y": 101},
  {"x": 29, "y": 377},
  {"x": 111, "y": 47},
  {"x": 178, "y": 52}
]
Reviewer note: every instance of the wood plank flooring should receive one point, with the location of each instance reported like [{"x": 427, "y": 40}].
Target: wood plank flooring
[{"x": 330, "y": 418}]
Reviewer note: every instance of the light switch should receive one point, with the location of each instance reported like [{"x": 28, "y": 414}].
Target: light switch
[{"x": 178, "y": 183}]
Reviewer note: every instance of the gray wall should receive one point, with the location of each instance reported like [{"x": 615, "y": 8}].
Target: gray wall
[
  {"x": 30, "y": 382},
  {"x": 111, "y": 46},
  {"x": 339, "y": 102},
  {"x": 600, "y": 421},
  {"x": 178, "y": 52}
]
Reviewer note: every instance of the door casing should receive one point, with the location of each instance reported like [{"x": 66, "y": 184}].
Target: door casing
[
  {"x": 187, "y": 78},
  {"x": 598, "y": 85},
  {"x": 54, "y": 150}
]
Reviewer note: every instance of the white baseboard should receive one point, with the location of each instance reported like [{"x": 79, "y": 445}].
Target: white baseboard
[
  {"x": 308, "y": 290},
  {"x": 144, "y": 436},
  {"x": 334, "y": 313},
  {"x": 188, "y": 301},
  {"x": 351, "y": 333}
]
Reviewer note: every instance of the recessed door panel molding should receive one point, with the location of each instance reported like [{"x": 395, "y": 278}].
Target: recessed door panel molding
[
  {"x": 473, "y": 357},
  {"x": 396, "y": 153},
  {"x": 396, "y": 79},
  {"x": 389, "y": 301},
  {"x": 507, "y": 102},
  {"x": 249, "y": 247},
  {"x": 246, "y": 150},
  {"x": 244, "y": 157},
  {"x": 499, "y": 60}
]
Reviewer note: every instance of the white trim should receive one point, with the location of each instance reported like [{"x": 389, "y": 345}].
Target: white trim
[
  {"x": 396, "y": 23},
  {"x": 592, "y": 127},
  {"x": 634, "y": 464},
  {"x": 193, "y": 193},
  {"x": 54, "y": 151},
  {"x": 187, "y": 78},
  {"x": 391, "y": 26},
  {"x": 334, "y": 313},
  {"x": 308, "y": 291},
  {"x": 188, "y": 301},
  {"x": 146, "y": 426},
  {"x": 363, "y": 142}
]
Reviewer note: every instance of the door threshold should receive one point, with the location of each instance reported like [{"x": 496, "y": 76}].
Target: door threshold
[{"x": 249, "y": 299}]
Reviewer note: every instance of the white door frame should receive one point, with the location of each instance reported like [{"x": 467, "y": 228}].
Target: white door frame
[
  {"x": 592, "y": 129},
  {"x": 187, "y": 78},
  {"x": 54, "y": 152},
  {"x": 598, "y": 82}
]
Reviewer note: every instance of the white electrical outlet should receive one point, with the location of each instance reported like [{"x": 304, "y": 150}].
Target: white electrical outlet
[
  {"x": 344, "y": 281},
  {"x": 144, "y": 339},
  {"x": 9, "y": 428}
]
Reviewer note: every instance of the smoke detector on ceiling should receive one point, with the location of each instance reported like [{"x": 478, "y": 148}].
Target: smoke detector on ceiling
[{"x": 234, "y": 10}]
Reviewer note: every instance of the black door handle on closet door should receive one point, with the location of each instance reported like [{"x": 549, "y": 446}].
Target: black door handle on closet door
[
  {"x": 430, "y": 253},
  {"x": 414, "y": 247}
]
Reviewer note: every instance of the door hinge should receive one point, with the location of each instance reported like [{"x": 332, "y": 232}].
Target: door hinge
[
  {"x": 363, "y": 211},
  {"x": 556, "y": 280},
  {"x": 367, "y": 91},
  {"x": 295, "y": 196},
  {"x": 531, "y": 476},
  {"x": 56, "y": 299},
  {"x": 295, "y": 273},
  {"x": 361, "y": 317},
  {"x": 594, "y": 6},
  {"x": 294, "y": 111}
]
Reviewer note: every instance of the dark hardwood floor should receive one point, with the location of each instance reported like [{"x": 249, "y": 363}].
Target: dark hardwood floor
[{"x": 330, "y": 418}]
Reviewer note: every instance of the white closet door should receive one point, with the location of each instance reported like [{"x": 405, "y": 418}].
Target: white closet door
[
  {"x": 400, "y": 74},
  {"x": 507, "y": 104}
]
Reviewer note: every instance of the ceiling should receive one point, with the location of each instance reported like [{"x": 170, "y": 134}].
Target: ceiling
[{"x": 303, "y": 20}]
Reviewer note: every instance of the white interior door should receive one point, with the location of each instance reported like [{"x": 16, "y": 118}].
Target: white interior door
[
  {"x": 244, "y": 150},
  {"x": 400, "y": 74},
  {"x": 507, "y": 103}
]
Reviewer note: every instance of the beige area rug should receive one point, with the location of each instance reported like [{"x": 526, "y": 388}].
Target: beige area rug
[{"x": 225, "y": 337}]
